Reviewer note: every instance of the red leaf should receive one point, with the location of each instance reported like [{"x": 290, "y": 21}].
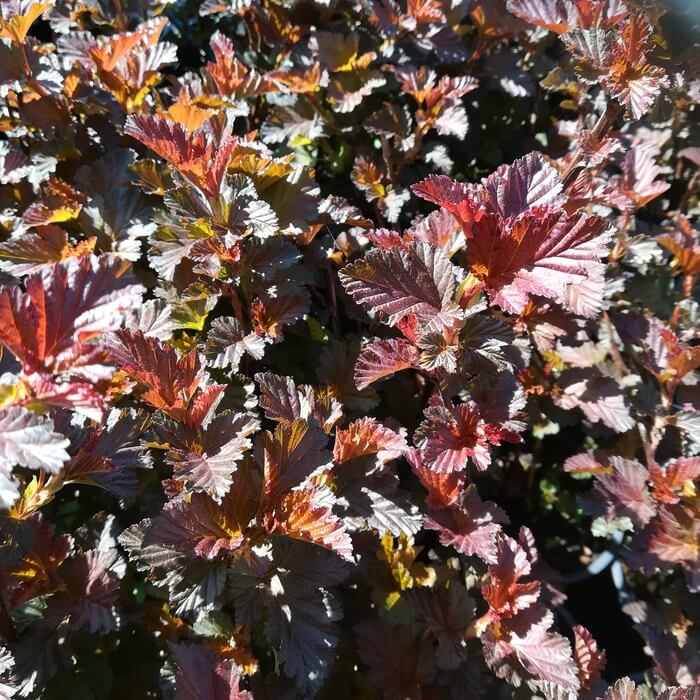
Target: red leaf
[
  {"x": 200, "y": 526},
  {"x": 381, "y": 358},
  {"x": 172, "y": 382},
  {"x": 231, "y": 77},
  {"x": 50, "y": 326},
  {"x": 541, "y": 252},
  {"x": 366, "y": 436},
  {"x": 505, "y": 594},
  {"x": 306, "y": 515},
  {"x": 204, "y": 675},
  {"x": 677, "y": 475},
  {"x": 588, "y": 657},
  {"x": 444, "y": 488},
  {"x": 200, "y": 156},
  {"x": 471, "y": 526},
  {"x": 451, "y": 435},
  {"x": 675, "y": 539},
  {"x": 463, "y": 201},
  {"x": 417, "y": 280}
]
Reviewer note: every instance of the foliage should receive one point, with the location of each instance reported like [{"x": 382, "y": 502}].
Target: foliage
[{"x": 341, "y": 339}]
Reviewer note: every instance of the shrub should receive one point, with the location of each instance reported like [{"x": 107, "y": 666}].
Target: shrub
[{"x": 342, "y": 341}]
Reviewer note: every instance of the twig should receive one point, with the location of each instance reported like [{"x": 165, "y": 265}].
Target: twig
[{"x": 600, "y": 130}]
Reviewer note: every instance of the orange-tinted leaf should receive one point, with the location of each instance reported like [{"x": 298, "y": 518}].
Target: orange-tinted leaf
[
  {"x": 58, "y": 202},
  {"x": 270, "y": 314},
  {"x": 366, "y": 436},
  {"x": 292, "y": 454},
  {"x": 200, "y": 156},
  {"x": 505, "y": 594},
  {"x": 49, "y": 326},
  {"x": 306, "y": 515},
  {"x": 17, "y": 17},
  {"x": 171, "y": 381},
  {"x": 230, "y": 76},
  {"x": 202, "y": 527}
]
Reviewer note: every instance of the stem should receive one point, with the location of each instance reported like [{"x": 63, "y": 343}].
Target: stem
[
  {"x": 683, "y": 204},
  {"x": 614, "y": 350},
  {"x": 7, "y": 625},
  {"x": 600, "y": 130},
  {"x": 334, "y": 302}
]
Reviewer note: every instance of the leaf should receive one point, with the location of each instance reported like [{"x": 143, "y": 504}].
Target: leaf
[
  {"x": 366, "y": 436},
  {"x": 553, "y": 15},
  {"x": 7, "y": 662},
  {"x": 306, "y": 515},
  {"x": 291, "y": 585},
  {"x": 623, "y": 493},
  {"x": 630, "y": 78},
  {"x": 470, "y": 525},
  {"x": 382, "y": 358},
  {"x": 172, "y": 382},
  {"x": 527, "y": 183},
  {"x": 600, "y": 398},
  {"x": 201, "y": 527},
  {"x": 680, "y": 693},
  {"x": 484, "y": 340},
  {"x": 269, "y": 314},
  {"x": 200, "y": 156},
  {"x": 377, "y": 502},
  {"x": 193, "y": 585},
  {"x": 227, "y": 342},
  {"x": 231, "y": 77},
  {"x": 589, "y": 658},
  {"x": 444, "y": 488},
  {"x": 452, "y": 434},
  {"x": 464, "y": 201},
  {"x": 541, "y": 252},
  {"x": 509, "y": 191},
  {"x": 29, "y": 440},
  {"x": 18, "y": 17},
  {"x": 417, "y": 280},
  {"x": 546, "y": 655},
  {"x": 446, "y": 613},
  {"x": 107, "y": 456},
  {"x": 674, "y": 539},
  {"x": 32, "y": 251},
  {"x": 281, "y": 399},
  {"x": 292, "y": 454},
  {"x": 505, "y": 594},
  {"x": 675, "y": 477},
  {"x": 49, "y": 327},
  {"x": 209, "y": 461},
  {"x": 624, "y": 689},
  {"x": 639, "y": 172},
  {"x": 204, "y": 675},
  {"x": 90, "y": 591},
  {"x": 399, "y": 662}
]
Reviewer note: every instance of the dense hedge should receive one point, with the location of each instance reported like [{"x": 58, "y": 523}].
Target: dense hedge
[{"x": 350, "y": 349}]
